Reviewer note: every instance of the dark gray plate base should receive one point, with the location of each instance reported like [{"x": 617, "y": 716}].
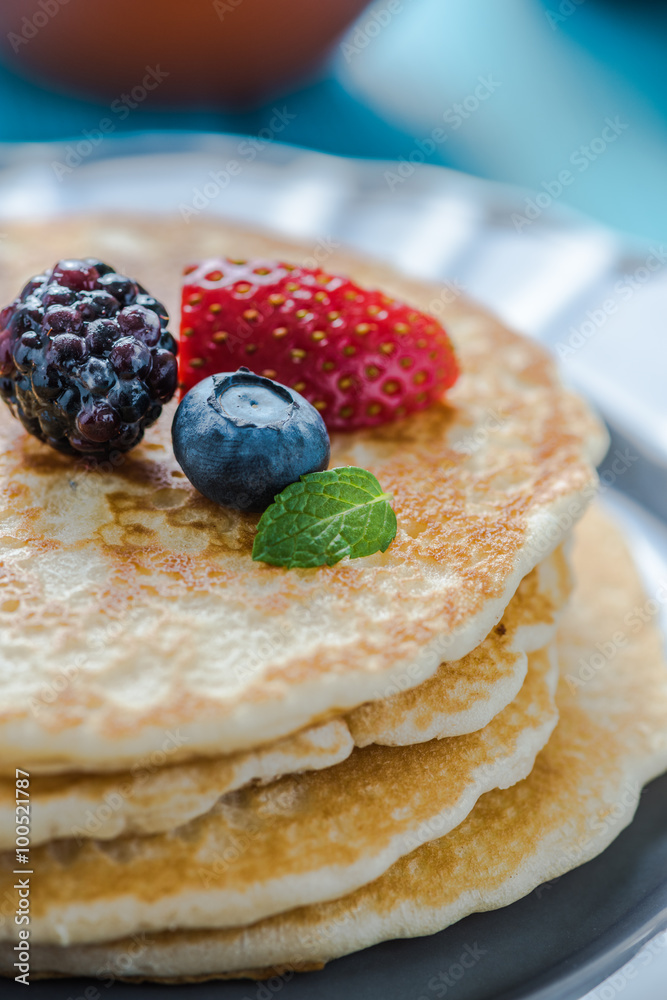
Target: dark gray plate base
[{"x": 555, "y": 944}]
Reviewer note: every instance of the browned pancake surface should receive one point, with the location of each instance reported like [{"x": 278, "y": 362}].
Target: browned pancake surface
[{"x": 145, "y": 596}]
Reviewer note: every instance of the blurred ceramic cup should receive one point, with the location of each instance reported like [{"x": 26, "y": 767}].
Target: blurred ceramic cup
[{"x": 217, "y": 53}]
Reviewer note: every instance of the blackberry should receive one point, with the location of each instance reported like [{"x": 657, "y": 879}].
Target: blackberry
[{"x": 86, "y": 360}]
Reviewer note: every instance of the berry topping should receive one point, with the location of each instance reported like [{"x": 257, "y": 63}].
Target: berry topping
[
  {"x": 67, "y": 350},
  {"x": 130, "y": 358},
  {"x": 76, "y": 274},
  {"x": 142, "y": 323},
  {"x": 123, "y": 289},
  {"x": 102, "y": 335},
  {"x": 57, "y": 295},
  {"x": 360, "y": 357},
  {"x": 62, "y": 319},
  {"x": 86, "y": 361},
  {"x": 99, "y": 421},
  {"x": 241, "y": 439}
]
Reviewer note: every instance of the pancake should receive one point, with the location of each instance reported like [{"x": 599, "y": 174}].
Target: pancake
[
  {"x": 130, "y": 607},
  {"x": 464, "y": 696},
  {"x": 461, "y": 697},
  {"x": 298, "y": 840},
  {"x": 153, "y": 797},
  {"x": 611, "y": 739}
]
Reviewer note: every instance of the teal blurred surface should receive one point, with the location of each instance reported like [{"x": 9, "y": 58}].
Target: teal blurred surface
[{"x": 556, "y": 73}]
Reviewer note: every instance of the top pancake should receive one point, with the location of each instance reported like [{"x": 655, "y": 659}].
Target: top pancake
[{"x": 129, "y": 604}]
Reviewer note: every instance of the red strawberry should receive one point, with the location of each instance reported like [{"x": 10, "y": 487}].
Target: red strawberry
[{"x": 360, "y": 357}]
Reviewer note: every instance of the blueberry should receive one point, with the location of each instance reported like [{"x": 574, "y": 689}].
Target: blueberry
[{"x": 241, "y": 439}]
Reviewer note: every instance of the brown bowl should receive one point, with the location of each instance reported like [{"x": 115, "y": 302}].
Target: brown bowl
[{"x": 216, "y": 53}]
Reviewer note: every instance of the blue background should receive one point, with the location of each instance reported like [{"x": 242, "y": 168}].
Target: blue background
[{"x": 561, "y": 67}]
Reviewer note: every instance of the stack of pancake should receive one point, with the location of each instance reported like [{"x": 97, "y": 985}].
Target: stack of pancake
[{"x": 237, "y": 768}]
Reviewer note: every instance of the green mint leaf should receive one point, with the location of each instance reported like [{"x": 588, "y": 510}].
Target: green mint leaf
[{"x": 325, "y": 517}]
